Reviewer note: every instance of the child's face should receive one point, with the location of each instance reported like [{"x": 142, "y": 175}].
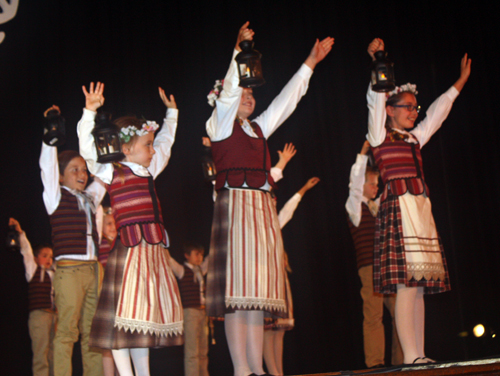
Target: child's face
[
  {"x": 75, "y": 175},
  {"x": 401, "y": 117},
  {"x": 195, "y": 257},
  {"x": 141, "y": 151},
  {"x": 247, "y": 104},
  {"x": 109, "y": 227},
  {"x": 44, "y": 258},
  {"x": 370, "y": 188}
]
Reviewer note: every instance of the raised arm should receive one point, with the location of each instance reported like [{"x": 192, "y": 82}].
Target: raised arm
[
  {"x": 441, "y": 107},
  {"x": 93, "y": 100},
  {"x": 286, "y": 102},
  {"x": 26, "y": 250},
  {"x": 220, "y": 124},
  {"x": 376, "y": 104},
  {"x": 49, "y": 170},
  {"x": 166, "y": 136},
  {"x": 286, "y": 213},
  {"x": 356, "y": 182}
]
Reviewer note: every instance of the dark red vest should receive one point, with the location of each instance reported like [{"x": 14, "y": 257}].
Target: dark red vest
[
  {"x": 363, "y": 237},
  {"x": 189, "y": 289},
  {"x": 136, "y": 208},
  {"x": 69, "y": 227},
  {"x": 40, "y": 293},
  {"x": 241, "y": 159},
  {"x": 400, "y": 165}
]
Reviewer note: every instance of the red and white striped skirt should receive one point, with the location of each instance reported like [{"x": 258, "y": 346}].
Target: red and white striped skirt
[{"x": 246, "y": 265}]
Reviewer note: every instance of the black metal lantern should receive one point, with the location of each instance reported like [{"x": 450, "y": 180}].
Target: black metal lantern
[
  {"x": 382, "y": 73},
  {"x": 208, "y": 165},
  {"x": 54, "y": 131},
  {"x": 107, "y": 139},
  {"x": 249, "y": 66},
  {"x": 12, "y": 242}
]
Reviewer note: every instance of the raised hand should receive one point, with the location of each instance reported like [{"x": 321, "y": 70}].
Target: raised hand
[
  {"x": 310, "y": 183},
  {"x": 54, "y": 107},
  {"x": 244, "y": 34},
  {"x": 319, "y": 51},
  {"x": 365, "y": 148},
  {"x": 288, "y": 152},
  {"x": 94, "y": 98},
  {"x": 13, "y": 222},
  {"x": 376, "y": 45},
  {"x": 169, "y": 103},
  {"x": 206, "y": 142},
  {"x": 465, "y": 64}
]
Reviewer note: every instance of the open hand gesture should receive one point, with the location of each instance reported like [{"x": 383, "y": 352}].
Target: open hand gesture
[
  {"x": 244, "y": 34},
  {"x": 310, "y": 183},
  {"x": 465, "y": 64},
  {"x": 169, "y": 103},
  {"x": 94, "y": 98},
  {"x": 288, "y": 152},
  {"x": 319, "y": 51}
]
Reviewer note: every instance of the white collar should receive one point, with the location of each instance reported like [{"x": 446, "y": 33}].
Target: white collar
[{"x": 136, "y": 168}]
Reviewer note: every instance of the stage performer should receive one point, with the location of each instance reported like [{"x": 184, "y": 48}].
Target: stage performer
[
  {"x": 362, "y": 208},
  {"x": 71, "y": 208},
  {"x": 245, "y": 230},
  {"x": 140, "y": 305},
  {"x": 409, "y": 258}
]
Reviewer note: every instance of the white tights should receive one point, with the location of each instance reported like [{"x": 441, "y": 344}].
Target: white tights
[
  {"x": 245, "y": 338},
  {"x": 139, "y": 356},
  {"x": 273, "y": 351},
  {"x": 410, "y": 321}
]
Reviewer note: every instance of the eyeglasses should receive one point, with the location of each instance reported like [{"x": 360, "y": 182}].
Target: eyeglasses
[{"x": 409, "y": 107}]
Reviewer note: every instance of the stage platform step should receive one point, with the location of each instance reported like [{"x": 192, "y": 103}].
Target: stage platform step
[{"x": 470, "y": 368}]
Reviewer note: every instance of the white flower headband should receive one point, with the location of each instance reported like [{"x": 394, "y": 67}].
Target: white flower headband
[
  {"x": 214, "y": 94},
  {"x": 128, "y": 132},
  {"x": 412, "y": 88}
]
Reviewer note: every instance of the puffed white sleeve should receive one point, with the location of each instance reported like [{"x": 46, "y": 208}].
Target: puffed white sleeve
[
  {"x": 285, "y": 103},
  {"x": 28, "y": 257},
  {"x": 356, "y": 182},
  {"x": 376, "y": 117},
  {"x": 435, "y": 116},
  {"x": 177, "y": 268},
  {"x": 88, "y": 150},
  {"x": 286, "y": 213},
  {"x": 276, "y": 174},
  {"x": 163, "y": 142},
  {"x": 49, "y": 169},
  {"x": 220, "y": 125}
]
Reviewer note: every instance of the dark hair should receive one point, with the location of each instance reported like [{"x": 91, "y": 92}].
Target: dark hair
[
  {"x": 65, "y": 157},
  {"x": 372, "y": 170},
  {"x": 192, "y": 246},
  {"x": 391, "y": 101},
  {"x": 39, "y": 247}
]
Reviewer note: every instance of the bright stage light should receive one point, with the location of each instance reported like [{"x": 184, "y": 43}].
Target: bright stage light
[{"x": 478, "y": 330}]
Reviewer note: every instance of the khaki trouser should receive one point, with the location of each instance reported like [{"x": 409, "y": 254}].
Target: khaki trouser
[
  {"x": 373, "y": 328},
  {"x": 42, "y": 325},
  {"x": 76, "y": 301},
  {"x": 195, "y": 342}
]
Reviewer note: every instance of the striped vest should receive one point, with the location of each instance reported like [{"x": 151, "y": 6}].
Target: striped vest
[
  {"x": 136, "y": 208},
  {"x": 400, "y": 165},
  {"x": 104, "y": 250},
  {"x": 363, "y": 237},
  {"x": 69, "y": 227},
  {"x": 189, "y": 289},
  {"x": 241, "y": 159},
  {"x": 40, "y": 293}
]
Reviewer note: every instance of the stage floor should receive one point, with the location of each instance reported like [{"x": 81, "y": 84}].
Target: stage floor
[{"x": 473, "y": 367}]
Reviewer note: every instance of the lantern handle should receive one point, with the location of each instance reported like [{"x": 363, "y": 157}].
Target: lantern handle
[
  {"x": 244, "y": 34},
  {"x": 375, "y": 45}
]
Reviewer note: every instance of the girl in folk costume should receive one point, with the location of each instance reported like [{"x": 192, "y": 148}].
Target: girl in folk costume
[
  {"x": 408, "y": 255},
  {"x": 139, "y": 306},
  {"x": 71, "y": 208},
  {"x": 246, "y": 263}
]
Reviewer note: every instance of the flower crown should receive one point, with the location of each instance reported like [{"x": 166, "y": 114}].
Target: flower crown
[
  {"x": 214, "y": 94},
  {"x": 412, "y": 88},
  {"x": 127, "y": 133}
]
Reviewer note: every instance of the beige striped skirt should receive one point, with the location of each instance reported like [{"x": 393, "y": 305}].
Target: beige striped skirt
[{"x": 246, "y": 261}]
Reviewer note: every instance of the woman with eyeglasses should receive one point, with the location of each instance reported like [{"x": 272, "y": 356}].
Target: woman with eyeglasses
[{"x": 408, "y": 254}]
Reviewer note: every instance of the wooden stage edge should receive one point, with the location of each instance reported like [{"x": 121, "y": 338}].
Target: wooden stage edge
[{"x": 489, "y": 366}]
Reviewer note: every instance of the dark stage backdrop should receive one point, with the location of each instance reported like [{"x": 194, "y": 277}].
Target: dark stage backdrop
[{"x": 53, "y": 47}]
